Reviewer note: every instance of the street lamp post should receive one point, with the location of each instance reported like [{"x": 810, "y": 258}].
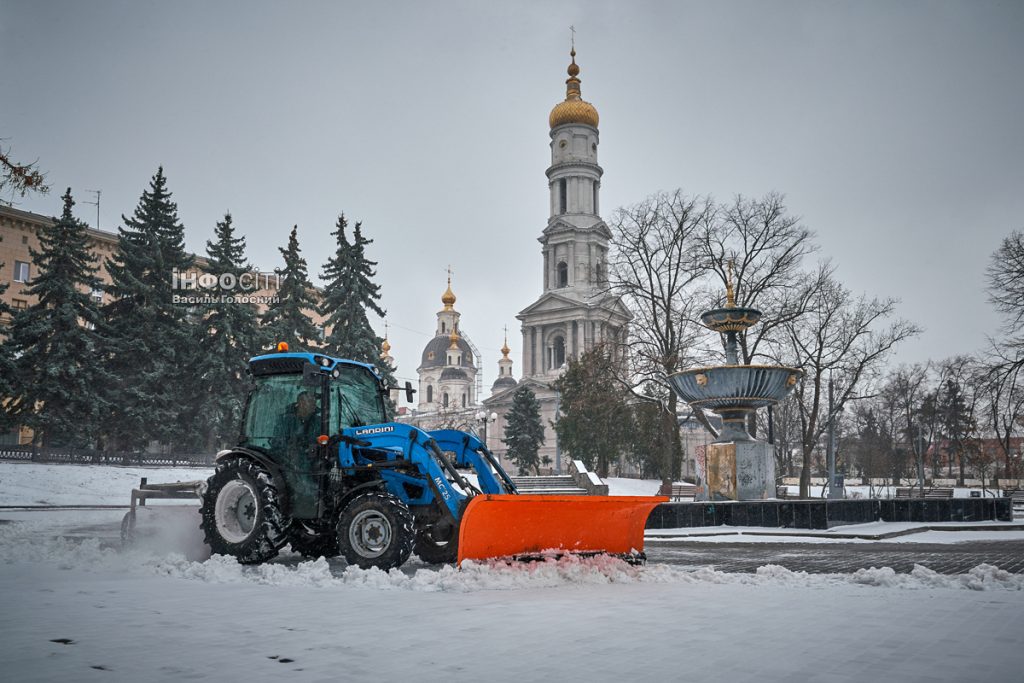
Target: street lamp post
[{"x": 485, "y": 419}]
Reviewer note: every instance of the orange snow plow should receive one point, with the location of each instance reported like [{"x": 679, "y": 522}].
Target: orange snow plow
[{"x": 533, "y": 525}]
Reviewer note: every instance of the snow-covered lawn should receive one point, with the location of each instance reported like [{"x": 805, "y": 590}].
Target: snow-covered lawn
[{"x": 78, "y": 608}]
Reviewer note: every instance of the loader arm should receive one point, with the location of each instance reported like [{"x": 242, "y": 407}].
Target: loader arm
[
  {"x": 408, "y": 460},
  {"x": 470, "y": 452}
]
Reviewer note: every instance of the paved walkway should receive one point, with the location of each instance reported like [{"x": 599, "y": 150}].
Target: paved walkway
[{"x": 839, "y": 558}]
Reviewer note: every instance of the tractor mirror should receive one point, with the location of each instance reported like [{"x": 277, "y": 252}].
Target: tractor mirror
[
  {"x": 409, "y": 391},
  {"x": 311, "y": 375}
]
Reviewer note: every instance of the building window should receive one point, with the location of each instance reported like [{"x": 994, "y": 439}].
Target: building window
[
  {"x": 463, "y": 400},
  {"x": 563, "y": 196},
  {"x": 562, "y": 274},
  {"x": 443, "y": 330},
  {"x": 20, "y": 271},
  {"x": 19, "y": 304},
  {"x": 430, "y": 394},
  {"x": 24, "y": 239},
  {"x": 557, "y": 353},
  {"x": 444, "y": 400},
  {"x": 595, "y": 199}
]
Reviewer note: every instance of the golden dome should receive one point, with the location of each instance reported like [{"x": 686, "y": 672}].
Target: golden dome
[
  {"x": 454, "y": 339},
  {"x": 448, "y": 298},
  {"x": 504, "y": 347},
  {"x": 385, "y": 347},
  {"x": 573, "y": 109}
]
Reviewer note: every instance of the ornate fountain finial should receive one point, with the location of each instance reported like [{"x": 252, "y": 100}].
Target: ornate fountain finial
[{"x": 730, "y": 299}]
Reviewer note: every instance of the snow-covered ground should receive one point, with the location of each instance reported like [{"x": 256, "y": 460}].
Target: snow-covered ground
[
  {"x": 24, "y": 483},
  {"x": 78, "y": 608}
]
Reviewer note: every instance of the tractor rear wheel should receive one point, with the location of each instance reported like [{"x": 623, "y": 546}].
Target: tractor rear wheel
[
  {"x": 376, "y": 530},
  {"x": 438, "y": 543},
  {"x": 241, "y": 512},
  {"x": 313, "y": 539}
]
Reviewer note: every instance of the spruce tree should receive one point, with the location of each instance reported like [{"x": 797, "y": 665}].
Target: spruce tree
[
  {"x": 145, "y": 333},
  {"x": 228, "y": 334},
  {"x": 594, "y": 421},
  {"x": 524, "y": 432},
  {"x": 350, "y": 292},
  {"x": 286, "y": 320},
  {"x": 56, "y": 372}
]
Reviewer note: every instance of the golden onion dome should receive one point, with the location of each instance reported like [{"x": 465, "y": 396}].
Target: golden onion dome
[
  {"x": 448, "y": 298},
  {"x": 505, "y": 350},
  {"x": 454, "y": 339},
  {"x": 573, "y": 109},
  {"x": 385, "y": 347}
]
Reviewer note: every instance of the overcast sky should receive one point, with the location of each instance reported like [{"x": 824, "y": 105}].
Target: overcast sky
[{"x": 895, "y": 130}]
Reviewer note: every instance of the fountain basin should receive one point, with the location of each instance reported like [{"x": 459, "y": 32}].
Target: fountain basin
[{"x": 729, "y": 388}]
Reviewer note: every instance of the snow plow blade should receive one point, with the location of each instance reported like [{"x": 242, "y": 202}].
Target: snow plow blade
[{"x": 516, "y": 525}]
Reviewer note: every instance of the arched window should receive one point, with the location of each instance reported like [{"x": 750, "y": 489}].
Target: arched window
[
  {"x": 563, "y": 196},
  {"x": 562, "y": 274},
  {"x": 442, "y": 328},
  {"x": 463, "y": 400},
  {"x": 430, "y": 394},
  {"x": 557, "y": 353},
  {"x": 444, "y": 400}
]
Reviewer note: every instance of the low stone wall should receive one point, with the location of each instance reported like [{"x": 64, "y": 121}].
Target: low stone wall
[{"x": 826, "y": 514}]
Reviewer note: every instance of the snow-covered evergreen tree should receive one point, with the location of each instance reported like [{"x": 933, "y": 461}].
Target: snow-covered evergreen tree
[
  {"x": 286, "y": 319},
  {"x": 349, "y": 293},
  {"x": 56, "y": 371},
  {"x": 228, "y": 335},
  {"x": 145, "y": 334},
  {"x": 524, "y": 432}
]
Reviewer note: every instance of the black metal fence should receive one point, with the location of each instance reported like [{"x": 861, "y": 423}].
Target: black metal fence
[{"x": 91, "y": 457}]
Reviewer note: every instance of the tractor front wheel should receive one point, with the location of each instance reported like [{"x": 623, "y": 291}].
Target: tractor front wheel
[
  {"x": 241, "y": 512},
  {"x": 376, "y": 530}
]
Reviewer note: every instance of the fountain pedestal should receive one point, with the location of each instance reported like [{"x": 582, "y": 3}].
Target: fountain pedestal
[{"x": 740, "y": 470}]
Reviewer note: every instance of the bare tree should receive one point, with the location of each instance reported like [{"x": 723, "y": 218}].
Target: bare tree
[
  {"x": 1003, "y": 386},
  {"x": 654, "y": 267},
  {"x": 1006, "y": 285},
  {"x": 843, "y": 336},
  {"x": 758, "y": 245}
]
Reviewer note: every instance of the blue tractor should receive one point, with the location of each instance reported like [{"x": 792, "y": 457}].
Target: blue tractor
[{"x": 319, "y": 466}]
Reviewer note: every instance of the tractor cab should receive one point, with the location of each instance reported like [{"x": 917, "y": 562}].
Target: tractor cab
[{"x": 298, "y": 397}]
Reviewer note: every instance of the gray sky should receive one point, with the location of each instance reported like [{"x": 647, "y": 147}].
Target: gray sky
[{"x": 893, "y": 128}]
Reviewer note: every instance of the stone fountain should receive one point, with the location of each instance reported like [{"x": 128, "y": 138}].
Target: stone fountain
[{"x": 739, "y": 467}]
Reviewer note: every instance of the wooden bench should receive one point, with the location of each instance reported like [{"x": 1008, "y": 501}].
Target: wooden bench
[
  {"x": 683, "y": 492},
  {"x": 915, "y": 492}
]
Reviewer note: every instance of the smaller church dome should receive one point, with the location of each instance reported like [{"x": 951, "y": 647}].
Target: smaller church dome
[
  {"x": 435, "y": 353},
  {"x": 503, "y": 383},
  {"x": 448, "y": 298},
  {"x": 454, "y": 374}
]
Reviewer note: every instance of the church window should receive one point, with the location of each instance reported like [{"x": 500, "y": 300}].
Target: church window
[
  {"x": 595, "y": 198},
  {"x": 557, "y": 353},
  {"x": 444, "y": 400},
  {"x": 443, "y": 330},
  {"x": 563, "y": 196},
  {"x": 430, "y": 394},
  {"x": 562, "y": 274},
  {"x": 463, "y": 400}
]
